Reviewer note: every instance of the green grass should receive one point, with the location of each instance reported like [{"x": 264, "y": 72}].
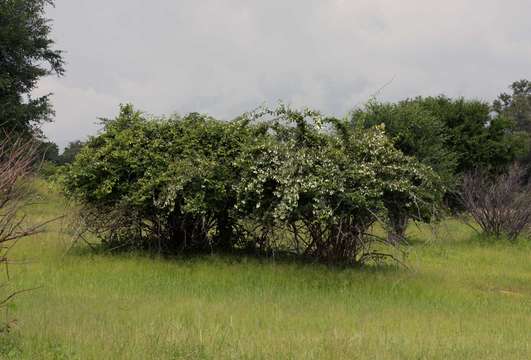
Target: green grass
[{"x": 461, "y": 298}]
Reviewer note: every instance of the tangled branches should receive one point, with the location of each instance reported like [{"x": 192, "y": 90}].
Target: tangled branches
[
  {"x": 17, "y": 159},
  {"x": 500, "y": 205}
]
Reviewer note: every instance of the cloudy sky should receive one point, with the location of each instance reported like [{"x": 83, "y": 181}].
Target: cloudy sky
[{"x": 224, "y": 57}]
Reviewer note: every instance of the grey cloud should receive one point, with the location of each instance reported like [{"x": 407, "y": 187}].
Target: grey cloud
[{"x": 226, "y": 57}]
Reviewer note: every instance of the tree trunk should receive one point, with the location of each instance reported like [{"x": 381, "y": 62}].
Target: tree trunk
[
  {"x": 398, "y": 223},
  {"x": 225, "y": 232}
]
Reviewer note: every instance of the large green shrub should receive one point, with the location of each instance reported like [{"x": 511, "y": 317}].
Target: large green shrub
[
  {"x": 274, "y": 180},
  {"x": 322, "y": 184},
  {"x": 160, "y": 182}
]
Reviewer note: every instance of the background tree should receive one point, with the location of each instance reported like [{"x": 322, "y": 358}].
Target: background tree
[
  {"x": 26, "y": 55},
  {"x": 70, "y": 152},
  {"x": 48, "y": 151},
  {"x": 516, "y": 107},
  {"x": 416, "y": 132},
  {"x": 452, "y": 136},
  {"x": 477, "y": 139}
]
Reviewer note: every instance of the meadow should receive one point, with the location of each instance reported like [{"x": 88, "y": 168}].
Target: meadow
[{"x": 460, "y": 297}]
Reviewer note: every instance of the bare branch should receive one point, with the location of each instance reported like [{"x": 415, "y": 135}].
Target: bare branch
[{"x": 500, "y": 205}]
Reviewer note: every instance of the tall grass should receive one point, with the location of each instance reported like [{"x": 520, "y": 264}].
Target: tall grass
[{"x": 461, "y": 298}]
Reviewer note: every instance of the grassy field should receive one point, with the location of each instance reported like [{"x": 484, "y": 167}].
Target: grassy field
[{"x": 461, "y": 298}]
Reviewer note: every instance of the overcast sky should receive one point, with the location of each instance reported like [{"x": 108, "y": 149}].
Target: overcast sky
[{"x": 225, "y": 57}]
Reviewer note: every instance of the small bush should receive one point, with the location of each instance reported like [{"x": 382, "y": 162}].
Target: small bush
[{"x": 499, "y": 204}]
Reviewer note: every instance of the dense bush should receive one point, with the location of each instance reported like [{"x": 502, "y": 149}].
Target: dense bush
[
  {"x": 272, "y": 180},
  {"x": 160, "y": 182},
  {"x": 324, "y": 184}
]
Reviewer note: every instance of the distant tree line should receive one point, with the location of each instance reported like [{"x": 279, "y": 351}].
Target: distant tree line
[{"x": 49, "y": 151}]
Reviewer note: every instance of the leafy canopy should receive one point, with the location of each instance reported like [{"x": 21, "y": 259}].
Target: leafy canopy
[
  {"x": 478, "y": 139},
  {"x": 27, "y": 54},
  {"x": 175, "y": 175},
  {"x": 414, "y": 130}
]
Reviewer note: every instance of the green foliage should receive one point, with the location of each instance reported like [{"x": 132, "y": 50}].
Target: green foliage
[
  {"x": 478, "y": 139},
  {"x": 452, "y": 136},
  {"x": 326, "y": 183},
  {"x": 517, "y": 105},
  {"x": 48, "y": 151},
  {"x": 414, "y": 130},
  {"x": 27, "y": 55},
  {"x": 197, "y": 183},
  {"x": 168, "y": 179},
  {"x": 48, "y": 170},
  {"x": 69, "y": 153}
]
